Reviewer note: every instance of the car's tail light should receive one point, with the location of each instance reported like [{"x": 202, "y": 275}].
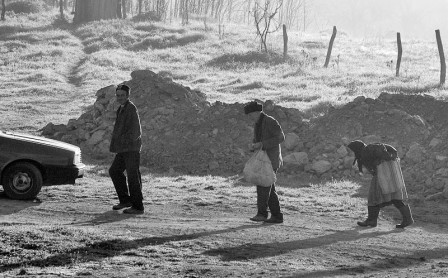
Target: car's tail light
[{"x": 77, "y": 158}]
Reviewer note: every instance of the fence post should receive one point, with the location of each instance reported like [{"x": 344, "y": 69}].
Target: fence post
[
  {"x": 330, "y": 46},
  {"x": 442, "y": 58},
  {"x": 400, "y": 52},
  {"x": 285, "y": 42}
]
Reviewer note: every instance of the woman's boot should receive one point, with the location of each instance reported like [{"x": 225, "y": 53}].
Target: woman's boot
[
  {"x": 406, "y": 215},
  {"x": 373, "y": 212}
]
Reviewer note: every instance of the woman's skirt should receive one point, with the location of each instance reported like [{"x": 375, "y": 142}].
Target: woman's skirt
[{"x": 386, "y": 192}]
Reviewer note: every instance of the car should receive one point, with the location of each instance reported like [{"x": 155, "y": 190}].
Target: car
[{"x": 28, "y": 162}]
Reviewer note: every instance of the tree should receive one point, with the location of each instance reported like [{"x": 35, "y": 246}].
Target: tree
[
  {"x": 90, "y": 10},
  {"x": 61, "y": 8},
  {"x": 264, "y": 17},
  {"x": 3, "y": 10}
]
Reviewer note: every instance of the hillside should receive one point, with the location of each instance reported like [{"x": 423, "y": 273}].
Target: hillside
[{"x": 56, "y": 75}]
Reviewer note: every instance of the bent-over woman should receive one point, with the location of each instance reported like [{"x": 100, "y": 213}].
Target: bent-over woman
[{"x": 370, "y": 156}]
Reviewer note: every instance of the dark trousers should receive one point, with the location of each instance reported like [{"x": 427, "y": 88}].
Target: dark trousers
[
  {"x": 267, "y": 197},
  {"x": 131, "y": 192}
]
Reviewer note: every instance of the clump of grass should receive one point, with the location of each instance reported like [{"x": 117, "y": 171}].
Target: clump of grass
[
  {"x": 158, "y": 28},
  {"x": 232, "y": 60},
  {"x": 312, "y": 45},
  {"x": 166, "y": 41},
  {"x": 411, "y": 90},
  {"x": 26, "y": 7}
]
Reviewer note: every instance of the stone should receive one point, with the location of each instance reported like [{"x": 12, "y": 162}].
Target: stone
[
  {"x": 415, "y": 153},
  {"x": 441, "y": 157},
  {"x": 435, "y": 142},
  {"x": 443, "y": 172},
  {"x": 96, "y": 137},
  {"x": 213, "y": 165},
  {"x": 297, "y": 158},
  {"x": 321, "y": 166},
  {"x": 291, "y": 141},
  {"x": 342, "y": 151},
  {"x": 435, "y": 196}
]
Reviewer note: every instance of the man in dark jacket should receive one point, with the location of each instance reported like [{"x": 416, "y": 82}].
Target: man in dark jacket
[
  {"x": 268, "y": 135},
  {"x": 126, "y": 142}
]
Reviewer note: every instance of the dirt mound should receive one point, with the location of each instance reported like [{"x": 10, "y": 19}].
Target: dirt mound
[
  {"x": 184, "y": 133},
  {"x": 414, "y": 124}
]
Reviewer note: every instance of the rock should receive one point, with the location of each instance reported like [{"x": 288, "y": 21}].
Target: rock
[
  {"x": 441, "y": 157},
  {"x": 434, "y": 142},
  {"x": 96, "y": 137},
  {"x": 291, "y": 141},
  {"x": 297, "y": 158},
  {"x": 348, "y": 162},
  {"x": 415, "y": 153},
  {"x": 342, "y": 151},
  {"x": 359, "y": 99},
  {"x": 435, "y": 196},
  {"x": 213, "y": 165},
  {"x": 443, "y": 172},
  {"x": 321, "y": 166}
]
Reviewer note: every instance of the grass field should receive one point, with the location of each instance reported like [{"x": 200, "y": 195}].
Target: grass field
[{"x": 53, "y": 68}]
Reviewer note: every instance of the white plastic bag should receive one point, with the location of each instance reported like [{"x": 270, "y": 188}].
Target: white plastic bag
[{"x": 258, "y": 170}]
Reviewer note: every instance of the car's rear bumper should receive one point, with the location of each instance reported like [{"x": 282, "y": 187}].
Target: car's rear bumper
[{"x": 64, "y": 175}]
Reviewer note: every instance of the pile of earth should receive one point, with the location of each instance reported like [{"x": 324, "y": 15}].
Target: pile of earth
[{"x": 184, "y": 133}]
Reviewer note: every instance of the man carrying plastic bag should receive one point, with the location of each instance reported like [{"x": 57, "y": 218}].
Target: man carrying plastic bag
[{"x": 268, "y": 135}]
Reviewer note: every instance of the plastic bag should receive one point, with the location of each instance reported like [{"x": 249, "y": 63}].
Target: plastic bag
[{"x": 258, "y": 170}]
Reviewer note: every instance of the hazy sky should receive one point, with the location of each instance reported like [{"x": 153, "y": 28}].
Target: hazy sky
[{"x": 382, "y": 18}]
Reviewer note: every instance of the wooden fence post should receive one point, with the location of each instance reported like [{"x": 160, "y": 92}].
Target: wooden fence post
[
  {"x": 442, "y": 58},
  {"x": 400, "y": 52},
  {"x": 330, "y": 47},
  {"x": 285, "y": 42}
]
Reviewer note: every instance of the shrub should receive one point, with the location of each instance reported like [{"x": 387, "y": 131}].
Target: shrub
[
  {"x": 148, "y": 16},
  {"x": 25, "y": 7}
]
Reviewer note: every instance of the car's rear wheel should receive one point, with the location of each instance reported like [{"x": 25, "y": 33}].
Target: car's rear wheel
[{"x": 22, "y": 181}]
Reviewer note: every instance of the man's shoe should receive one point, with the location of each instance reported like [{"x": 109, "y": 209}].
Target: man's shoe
[
  {"x": 274, "y": 220},
  {"x": 259, "y": 218},
  {"x": 133, "y": 210},
  {"x": 122, "y": 206}
]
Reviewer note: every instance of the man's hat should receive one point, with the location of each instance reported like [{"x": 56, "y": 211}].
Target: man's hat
[{"x": 123, "y": 87}]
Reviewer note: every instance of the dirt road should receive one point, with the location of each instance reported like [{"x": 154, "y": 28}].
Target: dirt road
[{"x": 199, "y": 227}]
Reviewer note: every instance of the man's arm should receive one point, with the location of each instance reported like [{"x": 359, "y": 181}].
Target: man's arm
[{"x": 275, "y": 134}]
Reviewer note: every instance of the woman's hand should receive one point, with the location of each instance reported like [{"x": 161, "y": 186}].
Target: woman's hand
[{"x": 255, "y": 146}]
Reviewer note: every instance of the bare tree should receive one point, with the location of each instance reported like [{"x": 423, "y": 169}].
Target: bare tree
[
  {"x": 123, "y": 7},
  {"x": 290, "y": 12},
  {"x": 61, "y": 8},
  {"x": 89, "y": 10},
  {"x": 3, "y": 10},
  {"x": 140, "y": 4},
  {"x": 264, "y": 16}
]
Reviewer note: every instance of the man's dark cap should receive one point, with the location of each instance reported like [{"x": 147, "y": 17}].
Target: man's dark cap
[{"x": 123, "y": 87}]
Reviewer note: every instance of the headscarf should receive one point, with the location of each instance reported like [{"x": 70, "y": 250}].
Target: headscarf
[
  {"x": 357, "y": 146},
  {"x": 253, "y": 106}
]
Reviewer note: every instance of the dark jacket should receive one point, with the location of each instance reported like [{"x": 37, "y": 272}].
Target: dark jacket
[
  {"x": 269, "y": 132},
  {"x": 127, "y": 133},
  {"x": 373, "y": 154}
]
